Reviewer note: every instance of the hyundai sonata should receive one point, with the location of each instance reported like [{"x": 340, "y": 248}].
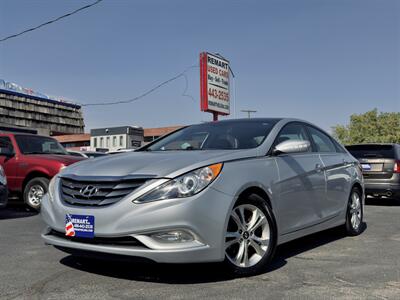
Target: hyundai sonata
[{"x": 224, "y": 191}]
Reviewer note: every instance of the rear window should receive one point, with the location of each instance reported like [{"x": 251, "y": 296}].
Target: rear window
[{"x": 360, "y": 151}]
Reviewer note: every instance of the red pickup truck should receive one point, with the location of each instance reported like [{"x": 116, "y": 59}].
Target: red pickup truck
[{"x": 29, "y": 162}]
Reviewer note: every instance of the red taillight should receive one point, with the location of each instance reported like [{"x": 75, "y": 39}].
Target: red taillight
[{"x": 396, "y": 168}]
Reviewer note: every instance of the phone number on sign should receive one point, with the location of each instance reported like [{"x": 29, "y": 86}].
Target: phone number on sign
[{"x": 221, "y": 95}]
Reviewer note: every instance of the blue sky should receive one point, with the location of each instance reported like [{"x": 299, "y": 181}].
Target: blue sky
[{"x": 317, "y": 60}]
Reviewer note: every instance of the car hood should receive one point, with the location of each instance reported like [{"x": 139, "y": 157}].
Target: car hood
[
  {"x": 158, "y": 164},
  {"x": 64, "y": 159}
]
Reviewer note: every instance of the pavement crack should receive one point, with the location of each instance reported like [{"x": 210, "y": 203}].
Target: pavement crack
[
  {"x": 343, "y": 281},
  {"x": 36, "y": 290},
  {"x": 381, "y": 297}
]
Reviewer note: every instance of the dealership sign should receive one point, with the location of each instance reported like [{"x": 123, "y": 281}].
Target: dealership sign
[{"x": 214, "y": 84}]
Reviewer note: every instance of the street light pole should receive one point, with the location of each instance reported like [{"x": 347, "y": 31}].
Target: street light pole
[{"x": 248, "y": 111}]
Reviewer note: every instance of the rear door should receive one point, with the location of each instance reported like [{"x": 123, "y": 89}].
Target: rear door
[
  {"x": 377, "y": 161},
  {"x": 336, "y": 169},
  {"x": 301, "y": 183}
]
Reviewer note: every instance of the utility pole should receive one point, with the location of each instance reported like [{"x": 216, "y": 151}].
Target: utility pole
[{"x": 248, "y": 111}]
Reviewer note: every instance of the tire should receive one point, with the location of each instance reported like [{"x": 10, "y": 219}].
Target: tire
[
  {"x": 257, "y": 243},
  {"x": 34, "y": 191},
  {"x": 355, "y": 213}
]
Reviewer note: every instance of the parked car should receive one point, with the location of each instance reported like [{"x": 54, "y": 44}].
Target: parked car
[
  {"x": 3, "y": 188},
  {"x": 86, "y": 154},
  {"x": 119, "y": 151},
  {"x": 381, "y": 168},
  {"x": 222, "y": 191},
  {"x": 30, "y": 161}
]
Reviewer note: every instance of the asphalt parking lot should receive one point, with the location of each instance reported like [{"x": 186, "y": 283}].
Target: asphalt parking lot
[{"x": 322, "y": 266}]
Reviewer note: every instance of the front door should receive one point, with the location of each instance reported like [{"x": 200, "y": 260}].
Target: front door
[{"x": 301, "y": 183}]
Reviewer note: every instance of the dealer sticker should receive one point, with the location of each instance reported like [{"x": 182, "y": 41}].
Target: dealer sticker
[{"x": 79, "y": 226}]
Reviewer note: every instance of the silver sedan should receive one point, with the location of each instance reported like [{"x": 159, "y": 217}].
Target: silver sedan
[{"x": 224, "y": 191}]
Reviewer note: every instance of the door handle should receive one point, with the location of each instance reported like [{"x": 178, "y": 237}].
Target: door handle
[{"x": 318, "y": 167}]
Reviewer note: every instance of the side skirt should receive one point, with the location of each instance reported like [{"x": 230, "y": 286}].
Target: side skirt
[{"x": 330, "y": 223}]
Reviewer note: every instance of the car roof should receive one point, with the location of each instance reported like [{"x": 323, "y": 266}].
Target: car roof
[
  {"x": 24, "y": 134},
  {"x": 276, "y": 120},
  {"x": 250, "y": 120}
]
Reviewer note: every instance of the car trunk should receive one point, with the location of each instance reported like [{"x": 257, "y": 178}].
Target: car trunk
[{"x": 377, "y": 161}]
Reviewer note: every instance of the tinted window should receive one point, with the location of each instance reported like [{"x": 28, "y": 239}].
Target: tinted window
[
  {"x": 322, "y": 142},
  {"x": 31, "y": 144},
  {"x": 339, "y": 147},
  {"x": 6, "y": 145},
  {"x": 292, "y": 131},
  {"x": 359, "y": 151},
  {"x": 216, "y": 135}
]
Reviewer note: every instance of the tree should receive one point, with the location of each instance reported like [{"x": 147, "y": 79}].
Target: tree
[{"x": 370, "y": 127}]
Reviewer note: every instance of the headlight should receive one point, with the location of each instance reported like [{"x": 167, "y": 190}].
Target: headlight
[
  {"x": 3, "y": 178},
  {"x": 52, "y": 187},
  {"x": 183, "y": 186}
]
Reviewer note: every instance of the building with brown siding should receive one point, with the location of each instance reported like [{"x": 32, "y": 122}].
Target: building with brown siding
[
  {"x": 45, "y": 116},
  {"x": 77, "y": 141}
]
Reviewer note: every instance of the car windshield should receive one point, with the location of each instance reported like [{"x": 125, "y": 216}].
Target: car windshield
[
  {"x": 217, "y": 135},
  {"x": 360, "y": 151},
  {"x": 31, "y": 144}
]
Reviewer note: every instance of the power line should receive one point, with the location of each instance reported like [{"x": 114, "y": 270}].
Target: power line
[
  {"x": 182, "y": 74},
  {"x": 51, "y": 21}
]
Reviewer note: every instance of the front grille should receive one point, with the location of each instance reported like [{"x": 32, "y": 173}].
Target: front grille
[
  {"x": 107, "y": 191},
  {"x": 110, "y": 241}
]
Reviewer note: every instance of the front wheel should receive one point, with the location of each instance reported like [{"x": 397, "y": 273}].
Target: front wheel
[
  {"x": 355, "y": 213},
  {"x": 250, "y": 239},
  {"x": 34, "y": 191}
]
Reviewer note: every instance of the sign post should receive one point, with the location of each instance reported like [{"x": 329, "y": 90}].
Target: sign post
[{"x": 214, "y": 85}]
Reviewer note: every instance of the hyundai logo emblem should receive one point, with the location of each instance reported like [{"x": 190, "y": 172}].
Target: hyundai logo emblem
[{"x": 89, "y": 191}]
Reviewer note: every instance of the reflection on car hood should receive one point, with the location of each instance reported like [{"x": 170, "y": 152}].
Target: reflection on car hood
[{"x": 159, "y": 164}]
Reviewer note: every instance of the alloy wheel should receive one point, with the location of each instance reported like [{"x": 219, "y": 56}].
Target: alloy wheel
[
  {"x": 248, "y": 236},
  {"x": 35, "y": 195},
  {"x": 355, "y": 210}
]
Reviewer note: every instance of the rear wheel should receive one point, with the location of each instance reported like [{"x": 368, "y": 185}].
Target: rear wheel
[
  {"x": 355, "y": 213},
  {"x": 250, "y": 240},
  {"x": 34, "y": 191}
]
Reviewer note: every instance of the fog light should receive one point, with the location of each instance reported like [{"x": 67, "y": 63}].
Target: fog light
[{"x": 176, "y": 236}]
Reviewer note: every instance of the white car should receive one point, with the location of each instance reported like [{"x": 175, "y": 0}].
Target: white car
[{"x": 223, "y": 191}]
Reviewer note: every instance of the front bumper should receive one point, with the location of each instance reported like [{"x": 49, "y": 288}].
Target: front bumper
[
  {"x": 3, "y": 195},
  {"x": 204, "y": 215}
]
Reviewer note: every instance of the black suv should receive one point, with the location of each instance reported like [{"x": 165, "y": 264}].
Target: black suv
[{"x": 381, "y": 168}]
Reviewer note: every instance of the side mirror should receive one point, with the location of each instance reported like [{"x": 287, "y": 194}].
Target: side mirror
[{"x": 291, "y": 146}]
